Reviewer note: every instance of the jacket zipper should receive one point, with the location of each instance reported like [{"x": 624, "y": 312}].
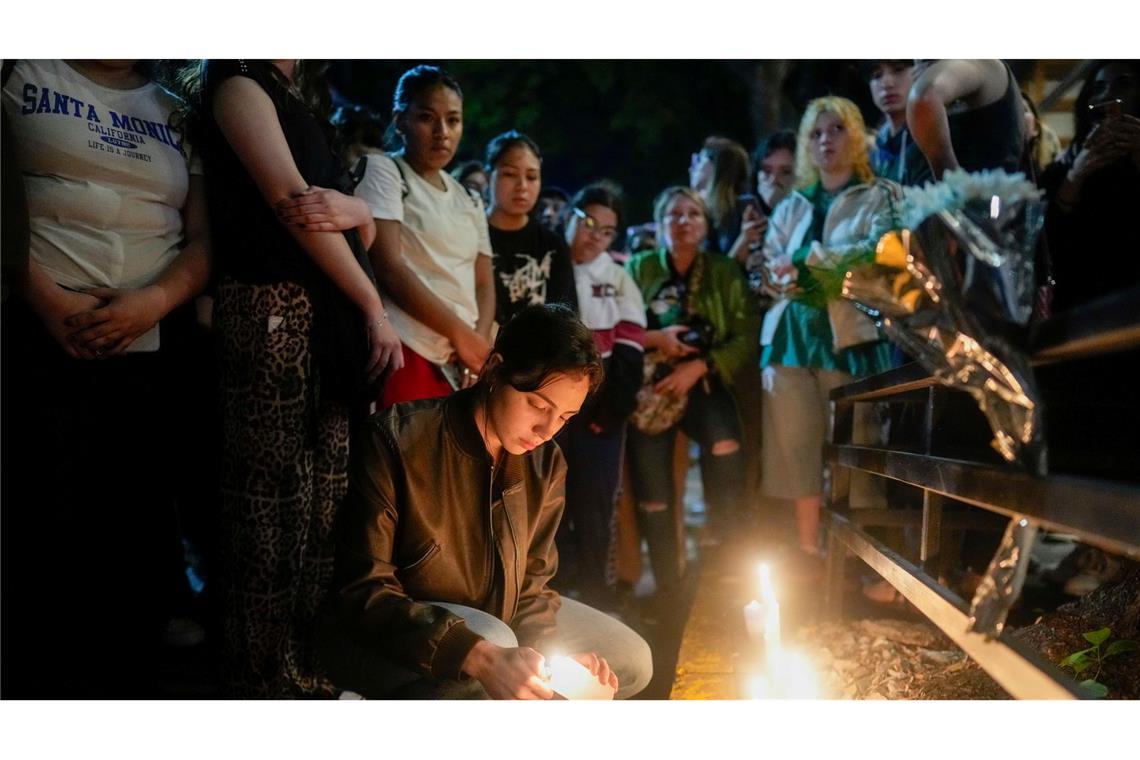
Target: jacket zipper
[
  {"x": 491, "y": 548},
  {"x": 489, "y": 560},
  {"x": 431, "y": 552},
  {"x": 514, "y": 556}
]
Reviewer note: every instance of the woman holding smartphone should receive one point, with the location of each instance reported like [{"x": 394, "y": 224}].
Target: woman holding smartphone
[
  {"x": 720, "y": 173},
  {"x": 432, "y": 246}
]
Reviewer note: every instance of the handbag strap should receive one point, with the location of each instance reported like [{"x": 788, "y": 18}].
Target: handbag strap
[{"x": 693, "y": 287}]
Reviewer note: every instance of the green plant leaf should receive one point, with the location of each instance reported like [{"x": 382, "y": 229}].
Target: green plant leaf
[
  {"x": 1094, "y": 689},
  {"x": 1079, "y": 666},
  {"x": 1096, "y": 638},
  {"x": 1123, "y": 645},
  {"x": 1076, "y": 657}
]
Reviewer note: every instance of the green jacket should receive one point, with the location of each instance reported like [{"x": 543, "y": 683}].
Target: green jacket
[{"x": 724, "y": 301}]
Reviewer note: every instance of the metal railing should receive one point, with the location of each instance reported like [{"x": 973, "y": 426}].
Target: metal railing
[{"x": 1103, "y": 512}]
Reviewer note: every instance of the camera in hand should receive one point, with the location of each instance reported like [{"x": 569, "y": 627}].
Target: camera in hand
[{"x": 699, "y": 335}]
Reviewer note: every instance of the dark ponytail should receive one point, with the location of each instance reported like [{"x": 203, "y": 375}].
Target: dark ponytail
[
  {"x": 540, "y": 341},
  {"x": 504, "y": 142}
]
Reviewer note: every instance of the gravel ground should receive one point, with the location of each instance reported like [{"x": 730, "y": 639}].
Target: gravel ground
[{"x": 893, "y": 659}]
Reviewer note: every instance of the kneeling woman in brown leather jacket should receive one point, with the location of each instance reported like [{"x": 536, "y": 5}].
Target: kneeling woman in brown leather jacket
[{"x": 457, "y": 500}]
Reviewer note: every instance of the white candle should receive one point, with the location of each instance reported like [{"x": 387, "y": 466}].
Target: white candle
[
  {"x": 754, "y": 620},
  {"x": 767, "y": 592},
  {"x": 573, "y": 680},
  {"x": 772, "y": 630},
  {"x": 771, "y": 621}
]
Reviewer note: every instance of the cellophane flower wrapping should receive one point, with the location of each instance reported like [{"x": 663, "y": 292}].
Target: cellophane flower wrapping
[
  {"x": 954, "y": 289},
  {"x": 1001, "y": 586}
]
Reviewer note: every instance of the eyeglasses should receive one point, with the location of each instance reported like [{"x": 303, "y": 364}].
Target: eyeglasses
[
  {"x": 692, "y": 216},
  {"x": 592, "y": 225}
]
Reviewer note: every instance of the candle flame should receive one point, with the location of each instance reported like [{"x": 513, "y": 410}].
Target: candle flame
[
  {"x": 573, "y": 680},
  {"x": 767, "y": 590}
]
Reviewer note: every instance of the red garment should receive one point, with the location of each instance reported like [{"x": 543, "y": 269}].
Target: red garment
[{"x": 417, "y": 379}]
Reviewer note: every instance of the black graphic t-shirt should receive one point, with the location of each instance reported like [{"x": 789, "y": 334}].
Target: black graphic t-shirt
[
  {"x": 532, "y": 265},
  {"x": 667, "y": 306}
]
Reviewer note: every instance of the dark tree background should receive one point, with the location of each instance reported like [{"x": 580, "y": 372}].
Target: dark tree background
[{"x": 635, "y": 122}]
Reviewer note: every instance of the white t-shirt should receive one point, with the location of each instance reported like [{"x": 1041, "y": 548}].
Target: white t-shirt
[
  {"x": 442, "y": 232},
  {"x": 106, "y": 177}
]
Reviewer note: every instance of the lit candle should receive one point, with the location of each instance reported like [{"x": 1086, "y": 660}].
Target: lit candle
[
  {"x": 573, "y": 680},
  {"x": 758, "y": 687},
  {"x": 771, "y": 611},
  {"x": 762, "y": 620},
  {"x": 754, "y": 620}
]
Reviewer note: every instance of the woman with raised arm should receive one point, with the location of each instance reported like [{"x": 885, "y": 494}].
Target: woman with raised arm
[
  {"x": 304, "y": 336},
  {"x": 721, "y": 173},
  {"x": 432, "y": 249},
  {"x": 966, "y": 114},
  {"x": 447, "y": 539}
]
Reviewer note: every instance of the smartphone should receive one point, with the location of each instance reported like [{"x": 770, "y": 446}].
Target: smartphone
[
  {"x": 455, "y": 374},
  {"x": 748, "y": 199},
  {"x": 1107, "y": 109}
]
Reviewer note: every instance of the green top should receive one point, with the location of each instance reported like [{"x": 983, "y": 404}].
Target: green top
[
  {"x": 722, "y": 299},
  {"x": 803, "y": 336}
]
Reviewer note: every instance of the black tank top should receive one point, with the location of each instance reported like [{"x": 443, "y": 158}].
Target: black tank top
[{"x": 990, "y": 137}]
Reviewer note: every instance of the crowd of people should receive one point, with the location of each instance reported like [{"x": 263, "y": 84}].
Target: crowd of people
[{"x": 393, "y": 406}]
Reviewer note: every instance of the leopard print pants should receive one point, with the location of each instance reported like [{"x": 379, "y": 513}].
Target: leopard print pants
[{"x": 284, "y": 474}]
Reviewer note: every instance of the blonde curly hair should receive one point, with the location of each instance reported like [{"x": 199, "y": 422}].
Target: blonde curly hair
[{"x": 807, "y": 174}]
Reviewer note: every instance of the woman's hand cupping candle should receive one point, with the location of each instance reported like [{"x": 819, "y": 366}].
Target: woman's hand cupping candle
[{"x": 572, "y": 680}]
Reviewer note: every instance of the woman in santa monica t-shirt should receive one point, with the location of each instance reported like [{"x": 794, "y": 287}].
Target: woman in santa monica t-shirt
[
  {"x": 532, "y": 263},
  {"x": 432, "y": 254},
  {"x": 117, "y": 222}
]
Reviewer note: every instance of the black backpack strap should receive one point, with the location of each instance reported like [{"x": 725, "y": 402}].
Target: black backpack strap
[
  {"x": 6, "y": 71},
  {"x": 475, "y": 199},
  {"x": 404, "y": 189},
  {"x": 357, "y": 172}
]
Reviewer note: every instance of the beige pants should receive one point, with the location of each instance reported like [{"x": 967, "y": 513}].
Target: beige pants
[{"x": 794, "y": 416}]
